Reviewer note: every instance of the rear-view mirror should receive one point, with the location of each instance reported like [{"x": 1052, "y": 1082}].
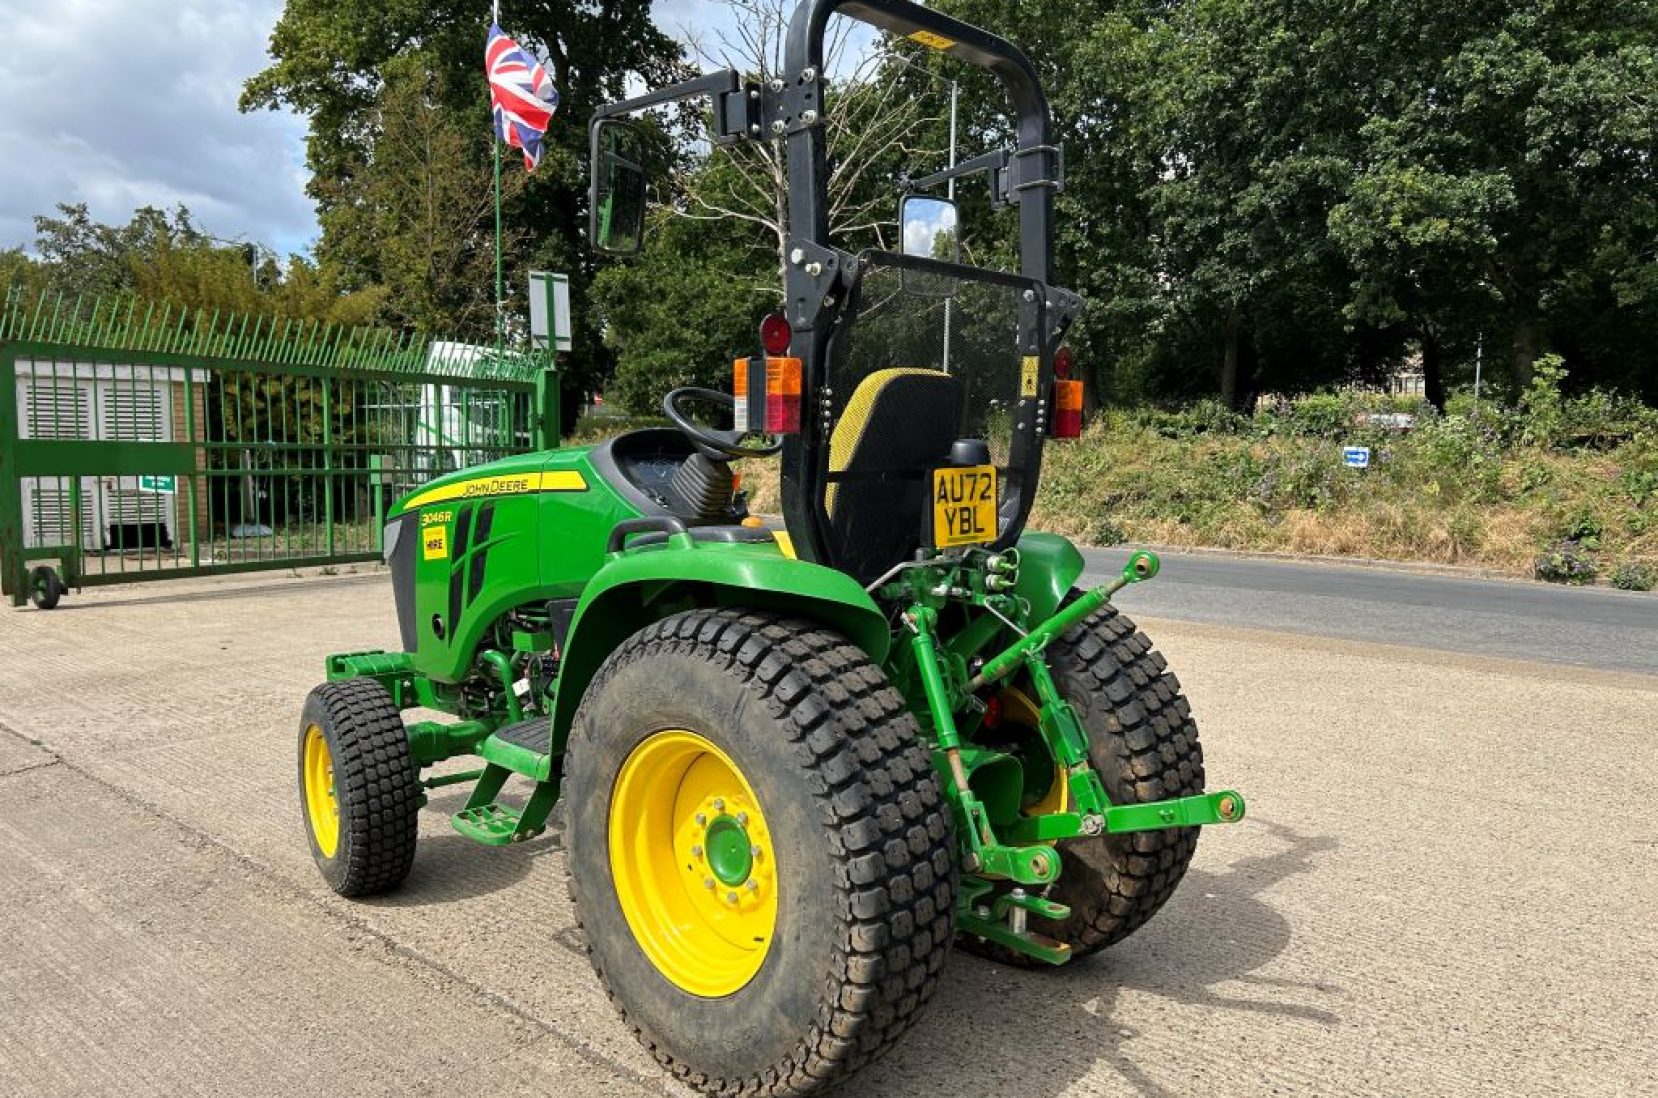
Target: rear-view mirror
[
  {"x": 930, "y": 228},
  {"x": 617, "y": 217},
  {"x": 929, "y": 231}
]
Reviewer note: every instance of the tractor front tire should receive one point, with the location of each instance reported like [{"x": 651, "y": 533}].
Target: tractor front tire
[
  {"x": 359, "y": 787},
  {"x": 761, "y": 858},
  {"x": 1144, "y": 745}
]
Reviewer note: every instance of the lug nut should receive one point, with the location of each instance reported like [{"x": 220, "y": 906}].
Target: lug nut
[
  {"x": 731, "y": 897},
  {"x": 719, "y": 804},
  {"x": 696, "y": 852},
  {"x": 754, "y": 851},
  {"x": 708, "y": 883},
  {"x": 742, "y": 819},
  {"x": 702, "y": 821},
  {"x": 753, "y": 885}
]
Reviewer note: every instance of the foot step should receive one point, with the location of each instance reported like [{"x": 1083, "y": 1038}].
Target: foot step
[
  {"x": 524, "y": 748},
  {"x": 490, "y": 824}
]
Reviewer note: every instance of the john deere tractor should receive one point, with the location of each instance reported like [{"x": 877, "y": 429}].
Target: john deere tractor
[{"x": 800, "y": 763}]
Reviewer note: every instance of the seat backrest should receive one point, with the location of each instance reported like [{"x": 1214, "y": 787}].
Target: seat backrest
[{"x": 898, "y": 424}]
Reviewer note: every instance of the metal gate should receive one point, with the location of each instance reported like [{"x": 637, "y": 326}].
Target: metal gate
[{"x": 141, "y": 442}]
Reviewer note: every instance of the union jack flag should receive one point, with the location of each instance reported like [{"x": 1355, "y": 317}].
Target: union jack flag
[{"x": 522, "y": 94}]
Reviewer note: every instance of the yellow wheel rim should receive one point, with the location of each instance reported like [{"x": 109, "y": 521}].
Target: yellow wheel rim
[
  {"x": 322, "y": 807},
  {"x": 1019, "y": 708},
  {"x": 692, "y": 861}
]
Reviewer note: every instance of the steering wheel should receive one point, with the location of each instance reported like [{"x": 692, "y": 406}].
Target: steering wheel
[{"x": 712, "y": 444}]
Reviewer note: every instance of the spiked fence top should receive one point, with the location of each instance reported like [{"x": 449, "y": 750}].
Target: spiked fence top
[{"x": 129, "y": 324}]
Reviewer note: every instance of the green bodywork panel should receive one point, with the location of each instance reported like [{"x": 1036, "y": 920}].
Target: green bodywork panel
[
  {"x": 1049, "y": 566},
  {"x": 497, "y": 547},
  {"x": 633, "y": 590},
  {"x": 541, "y": 545}
]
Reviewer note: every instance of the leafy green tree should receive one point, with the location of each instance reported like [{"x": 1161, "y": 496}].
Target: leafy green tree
[
  {"x": 677, "y": 315},
  {"x": 1511, "y": 154},
  {"x": 85, "y": 256},
  {"x": 165, "y": 256},
  {"x": 423, "y": 209},
  {"x": 336, "y": 62},
  {"x": 20, "y": 275}
]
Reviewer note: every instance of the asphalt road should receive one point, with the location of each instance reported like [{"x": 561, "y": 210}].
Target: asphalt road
[
  {"x": 1511, "y": 619},
  {"x": 1424, "y": 899}
]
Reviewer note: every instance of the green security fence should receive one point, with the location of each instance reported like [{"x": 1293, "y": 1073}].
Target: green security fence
[{"x": 139, "y": 441}]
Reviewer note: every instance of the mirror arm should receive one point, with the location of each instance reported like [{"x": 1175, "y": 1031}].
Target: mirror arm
[
  {"x": 995, "y": 163},
  {"x": 715, "y": 84}
]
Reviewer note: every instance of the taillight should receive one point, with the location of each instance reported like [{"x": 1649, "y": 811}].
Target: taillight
[
  {"x": 1065, "y": 361},
  {"x": 1067, "y": 421},
  {"x": 782, "y": 396},
  {"x": 767, "y": 391}
]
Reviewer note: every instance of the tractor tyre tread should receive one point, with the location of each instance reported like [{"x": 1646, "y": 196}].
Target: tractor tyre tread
[
  {"x": 890, "y": 832},
  {"x": 377, "y": 783}
]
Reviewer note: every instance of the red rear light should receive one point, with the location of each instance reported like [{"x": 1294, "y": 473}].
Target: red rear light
[
  {"x": 1067, "y": 409},
  {"x": 767, "y": 392},
  {"x": 775, "y": 334},
  {"x": 783, "y": 396},
  {"x": 1065, "y": 360}
]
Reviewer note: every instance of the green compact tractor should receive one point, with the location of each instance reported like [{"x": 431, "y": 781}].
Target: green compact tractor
[{"x": 800, "y": 763}]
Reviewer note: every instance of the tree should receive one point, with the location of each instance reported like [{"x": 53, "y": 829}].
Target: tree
[
  {"x": 165, "y": 256},
  {"x": 874, "y": 127},
  {"x": 1516, "y": 160},
  {"x": 421, "y": 221},
  {"x": 675, "y": 315},
  {"x": 88, "y": 257},
  {"x": 330, "y": 61}
]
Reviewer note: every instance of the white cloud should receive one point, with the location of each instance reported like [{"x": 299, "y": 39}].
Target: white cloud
[
  {"x": 125, "y": 103},
  {"x": 925, "y": 220}
]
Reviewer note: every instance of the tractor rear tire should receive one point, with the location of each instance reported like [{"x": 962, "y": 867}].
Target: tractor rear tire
[
  {"x": 713, "y": 721},
  {"x": 359, "y": 788},
  {"x": 1144, "y": 745}
]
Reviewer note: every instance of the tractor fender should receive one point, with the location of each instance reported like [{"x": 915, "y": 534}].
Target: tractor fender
[
  {"x": 632, "y": 591},
  {"x": 1049, "y": 567}
]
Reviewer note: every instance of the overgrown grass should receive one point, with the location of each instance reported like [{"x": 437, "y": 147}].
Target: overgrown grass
[{"x": 1565, "y": 489}]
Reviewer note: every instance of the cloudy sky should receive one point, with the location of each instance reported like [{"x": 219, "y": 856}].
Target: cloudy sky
[{"x": 126, "y": 103}]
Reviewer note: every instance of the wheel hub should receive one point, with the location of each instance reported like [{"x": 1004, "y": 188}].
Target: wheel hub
[
  {"x": 692, "y": 861},
  {"x": 727, "y": 864},
  {"x": 729, "y": 853}
]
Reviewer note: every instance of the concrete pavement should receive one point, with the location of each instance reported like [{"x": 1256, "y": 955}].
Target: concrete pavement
[{"x": 1444, "y": 886}]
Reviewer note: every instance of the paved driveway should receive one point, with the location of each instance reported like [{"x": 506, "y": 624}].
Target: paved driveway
[{"x": 1446, "y": 885}]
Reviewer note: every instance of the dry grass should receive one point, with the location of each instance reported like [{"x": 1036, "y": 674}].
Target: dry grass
[{"x": 1453, "y": 492}]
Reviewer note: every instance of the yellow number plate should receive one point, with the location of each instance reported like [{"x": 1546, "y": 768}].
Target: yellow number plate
[{"x": 964, "y": 505}]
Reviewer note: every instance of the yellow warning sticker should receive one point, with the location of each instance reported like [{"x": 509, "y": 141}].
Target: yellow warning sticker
[
  {"x": 932, "y": 41},
  {"x": 435, "y": 540},
  {"x": 1029, "y": 376}
]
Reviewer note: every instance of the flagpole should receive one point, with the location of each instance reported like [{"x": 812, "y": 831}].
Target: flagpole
[{"x": 500, "y": 285}]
